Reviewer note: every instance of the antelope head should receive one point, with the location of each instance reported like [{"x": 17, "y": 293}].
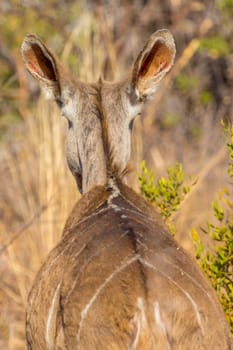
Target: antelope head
[{"x": 100, "y": 115}]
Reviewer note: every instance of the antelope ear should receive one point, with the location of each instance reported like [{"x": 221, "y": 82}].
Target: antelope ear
[
  {"x": 152, "y": 64},
  {"x": 41, "y": 63}
]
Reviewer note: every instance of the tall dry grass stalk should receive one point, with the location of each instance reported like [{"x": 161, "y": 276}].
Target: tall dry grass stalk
[{"x": 38, "y": 194}]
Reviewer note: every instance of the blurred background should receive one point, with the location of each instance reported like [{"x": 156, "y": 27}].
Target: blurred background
[{"x": 182, "y": 123}]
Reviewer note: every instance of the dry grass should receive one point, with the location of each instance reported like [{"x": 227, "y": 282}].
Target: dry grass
[{"x": 38, "y": 195}]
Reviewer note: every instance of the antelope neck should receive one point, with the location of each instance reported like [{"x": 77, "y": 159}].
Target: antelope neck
[
  {"x": 101, "y": 114},
  {"x": 101, "y": 169}
]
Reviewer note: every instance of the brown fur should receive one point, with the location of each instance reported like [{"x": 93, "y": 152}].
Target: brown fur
[
  {"x": 98, "y": 243},
  {"x": 117, "y": 280}
]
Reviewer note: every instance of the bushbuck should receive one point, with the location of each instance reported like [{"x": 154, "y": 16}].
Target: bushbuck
[{"x": 117, "y": 279}]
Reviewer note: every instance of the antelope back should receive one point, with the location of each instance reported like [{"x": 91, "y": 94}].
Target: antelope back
[{"x": 117, "y": 279}]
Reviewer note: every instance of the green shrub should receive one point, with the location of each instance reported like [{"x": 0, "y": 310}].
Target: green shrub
[
  {"x": 167, "y": 193},
  {"x": 217, "y": 263},
  {"x": 226, "y": 6},
  {"x": 186, "y": 83},
  {"x": 217, "y": 46},
  {"x": 206, "y": 97}
]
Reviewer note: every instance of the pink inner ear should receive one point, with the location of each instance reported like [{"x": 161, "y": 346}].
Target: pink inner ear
[
  {"x": 39, "y": 64},
  {"x": 34, "y": 69},
  {"x": 157, "y": 60},
  {"x": 161, "y": 67}
]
